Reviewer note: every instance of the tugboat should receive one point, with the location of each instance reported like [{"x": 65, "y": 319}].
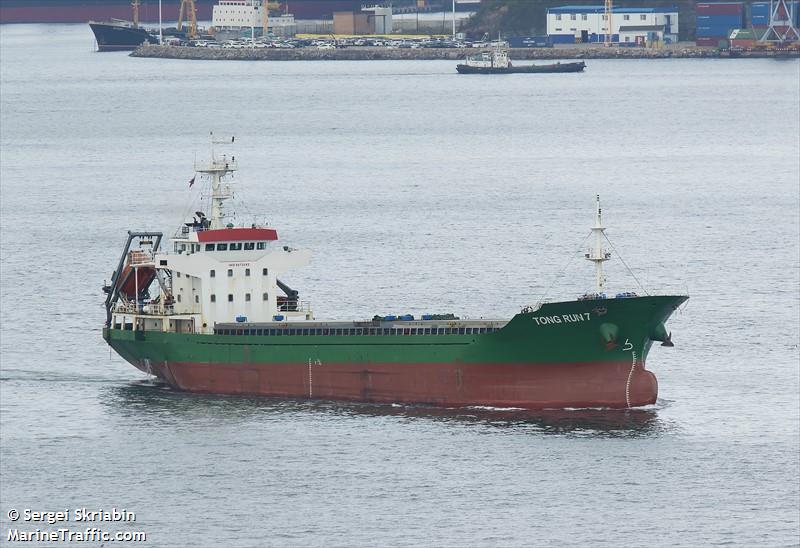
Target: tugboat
[
  {"x": 212, "y": 314},
  {"x": 496, "y": 61}
]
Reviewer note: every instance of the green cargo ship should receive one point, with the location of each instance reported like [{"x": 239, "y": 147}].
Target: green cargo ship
[{"x": 222, "y": 321}]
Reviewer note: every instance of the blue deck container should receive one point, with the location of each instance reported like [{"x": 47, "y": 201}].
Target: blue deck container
[
  {"x": 719, "y": 20},
  {"x": 530, "y": 42}
]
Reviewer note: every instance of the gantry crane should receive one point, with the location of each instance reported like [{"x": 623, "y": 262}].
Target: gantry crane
[
  {"x": 609, "y": 27},
  {"x": 189, "y": 10},
  {"x": 781, "y": 23}
]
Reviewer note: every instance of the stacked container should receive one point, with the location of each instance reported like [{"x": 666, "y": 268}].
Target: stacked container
[
  {"x": 759, "y": 15},
  {"x": 716, "y": 20}
]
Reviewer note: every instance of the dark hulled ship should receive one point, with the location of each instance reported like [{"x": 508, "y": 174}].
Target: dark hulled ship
[{"x": 120, "y": 35}]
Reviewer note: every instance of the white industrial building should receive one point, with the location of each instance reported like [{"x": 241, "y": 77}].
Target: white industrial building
[
  {"x": 235, "y": 15},
  {"x": 570, "y": 24}
]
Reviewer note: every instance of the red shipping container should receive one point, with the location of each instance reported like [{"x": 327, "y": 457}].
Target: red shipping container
[
  {"x": 720, "y": 9},
  {"x": 714, "y": 42},
  {"x": 743, "y": 43}
]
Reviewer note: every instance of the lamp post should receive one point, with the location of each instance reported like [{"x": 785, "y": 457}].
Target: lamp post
[{"x": 454, "y": 20}]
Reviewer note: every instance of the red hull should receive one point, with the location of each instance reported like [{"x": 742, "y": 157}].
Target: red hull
[{"x": 534, "y": 386}]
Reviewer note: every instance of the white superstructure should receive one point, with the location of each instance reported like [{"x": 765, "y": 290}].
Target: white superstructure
[
  {"x": 214, "y": 271},
  {"x": 497, "y": 57},
  {"x": 230, "y": 15}
]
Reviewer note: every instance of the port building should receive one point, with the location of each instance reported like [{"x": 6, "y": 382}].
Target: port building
[
  {"x": 370, "y": 20},
  {"x": 589, "y": 23}
]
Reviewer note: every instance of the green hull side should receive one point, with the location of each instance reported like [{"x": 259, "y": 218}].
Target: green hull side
[{"x": 565, "y": 332}]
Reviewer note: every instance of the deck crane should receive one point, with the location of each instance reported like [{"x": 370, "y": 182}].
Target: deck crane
[
  {"x": 189, "y": 10},
  {"x": 609, "y": 27},
  {"x": 266, "y": 6}
]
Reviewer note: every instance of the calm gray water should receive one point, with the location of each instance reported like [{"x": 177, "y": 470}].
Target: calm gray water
[{"x": 419, "y": 191}]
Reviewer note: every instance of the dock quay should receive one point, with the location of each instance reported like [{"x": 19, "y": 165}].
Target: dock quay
[{"x": 426, "y": 54}]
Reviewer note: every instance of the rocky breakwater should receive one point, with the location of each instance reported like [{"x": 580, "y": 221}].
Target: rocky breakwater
[{"x": 387, "y": 54}]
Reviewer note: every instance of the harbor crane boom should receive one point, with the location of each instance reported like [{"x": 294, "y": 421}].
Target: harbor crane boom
[
  {"x": 189, "y": 10},
  {"x": 267, "y": 5}
]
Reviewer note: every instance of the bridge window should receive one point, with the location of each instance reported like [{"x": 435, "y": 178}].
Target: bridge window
[
  {"x": 230, "y": 297},
  {"x": 558, "y": 17},
  {"x": 246, "y": 271},
  {"x": 265, "y": 297},
  {"x": 230, "y": 273},
  {"x": 573, "y": 17},
  {"x": 249, "y": 246},
  {"x": 584, "y": 17},
  {"x": 178, "y": 274},
  {"x": 209, "y": 247},
  {"x": 222, "y": 247},
  {"x": 236, "y": 246},
  {"x": 264, "y": 271},
  {"x": 213, "y": 273},
  {"x": 197, "y": 298},
  {"x": 246, "y": 297},
  {"x": 179, "y": 297},
  {"x": 213, "y": 298},
  {"x": 261, "y": 245}
]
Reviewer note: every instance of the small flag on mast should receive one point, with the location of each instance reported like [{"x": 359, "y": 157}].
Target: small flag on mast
[{"x": 192, "y": 182}]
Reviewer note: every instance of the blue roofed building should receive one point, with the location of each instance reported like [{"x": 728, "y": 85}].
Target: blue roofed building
[{"x": 588, "y": 23}]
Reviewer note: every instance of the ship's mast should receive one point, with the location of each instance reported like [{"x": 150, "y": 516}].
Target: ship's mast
[
  {"x": 218, "y": 168},
  {"x": 597, "y": 254}
]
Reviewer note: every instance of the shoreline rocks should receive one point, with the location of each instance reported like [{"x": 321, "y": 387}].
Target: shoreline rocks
[{"x": 427, "y": 54}]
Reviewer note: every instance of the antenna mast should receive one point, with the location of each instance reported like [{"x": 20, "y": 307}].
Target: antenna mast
[
  {"x": 597, "y": 254},
  {"x": 217, "y": 169}
]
